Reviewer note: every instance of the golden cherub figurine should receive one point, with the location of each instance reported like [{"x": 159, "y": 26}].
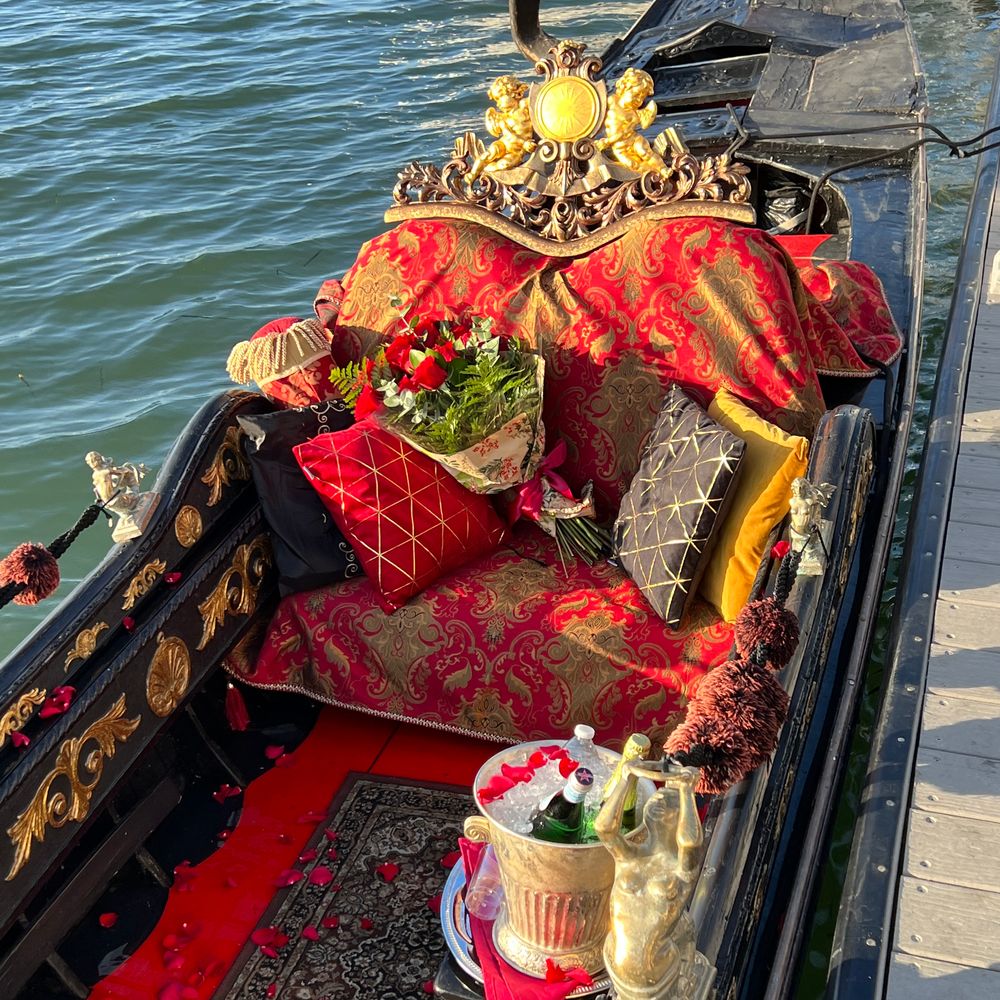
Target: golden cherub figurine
[
  {"x": 650, "y": 949},
  {"x": 625, "y": 116},
  {"x": 510, "y": 122}
]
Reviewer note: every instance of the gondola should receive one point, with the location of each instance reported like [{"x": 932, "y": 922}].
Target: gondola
[{"x": 109, "y": 794}]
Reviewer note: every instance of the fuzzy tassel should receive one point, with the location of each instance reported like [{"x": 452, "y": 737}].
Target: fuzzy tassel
[
  {"x": 767, "y": 623},
  {"x": 33, "y": 566},
  {"x": 236, "y": 709},
  {"x": 715, "y": 745}
]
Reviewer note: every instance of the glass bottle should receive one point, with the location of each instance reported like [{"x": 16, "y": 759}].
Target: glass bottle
[
  {"x": 637, "y": 748},
  {"x": 485, "y": 895},
  {"x": 561, "y": 820}
]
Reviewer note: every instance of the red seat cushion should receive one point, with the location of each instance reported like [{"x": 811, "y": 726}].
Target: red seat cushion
[
  {"x": 699, "y": 302},
  {"x": 407, "y": 519},
  {"x": 508, "y": 647}
]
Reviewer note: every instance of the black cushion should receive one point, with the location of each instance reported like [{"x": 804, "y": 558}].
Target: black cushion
[
  {"x": 664, "y": 526},
  {"x": 309, "y": 549}
]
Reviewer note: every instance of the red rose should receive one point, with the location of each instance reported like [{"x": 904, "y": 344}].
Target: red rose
[
  {"x": 427, "y": 331},
  {"x": 368, "y": 402},
  {"x": 398, "y": 352},
  {"x": 460, "y": 332},
  {"x": 429, "y": 375},
  {"x": 446, "y": 351}
]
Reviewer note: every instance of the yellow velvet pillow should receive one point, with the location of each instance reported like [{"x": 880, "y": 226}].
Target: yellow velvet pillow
[{"x": 760, "y": 500}]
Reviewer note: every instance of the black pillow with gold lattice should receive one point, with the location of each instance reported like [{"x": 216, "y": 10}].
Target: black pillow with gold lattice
[{"x": 664, "y": 526}]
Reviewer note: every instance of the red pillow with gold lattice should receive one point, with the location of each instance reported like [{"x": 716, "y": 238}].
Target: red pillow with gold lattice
[{"x": 407, "y": 519}]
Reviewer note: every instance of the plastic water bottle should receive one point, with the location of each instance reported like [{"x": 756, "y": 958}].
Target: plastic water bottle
[
  {"x": 485, "y": 895},
  {"x": 582, "y": 749}
]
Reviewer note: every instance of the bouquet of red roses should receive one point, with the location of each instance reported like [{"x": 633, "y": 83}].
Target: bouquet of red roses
[{"x": 472, "y": 401}]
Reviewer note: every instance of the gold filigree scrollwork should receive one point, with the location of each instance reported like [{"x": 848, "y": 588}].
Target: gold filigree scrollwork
[
  {"x": 56, "y": 808},
  {"x": 187, "y": 525},
  {"x": 228, "y": 465},
  {"x": 142, "y": 582},
  {"x": 237, "y": 589},
  {"x": 86, "y": 643},
  {"x": 168, "y": 676},
  {"x": 18, "y": 714},
  {"x": 552, "y": 180}
]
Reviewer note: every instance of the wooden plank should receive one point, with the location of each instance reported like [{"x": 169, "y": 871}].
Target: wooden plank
[
  {"x": 986, "y": 355},
  {"x": 978, "y": 473},
  {"x": 972, "y": 582},
  {"x": 961, "y": 725},
  {"x": 964, "y": 673},
  {"x": 969, "y": 506},
  {"x": 957, "y": 784},
  {"x": 983, "y": 445},
  {"x": 974, "y": 542},
  {"x": 965, "y": 625},
  {"x": 913, "y": 978},
  {"x": 948, "y": 923},
  {"x": 955, "y": 850},
  {"x": 984, "y": 413},
  {"x": 983, "y": 382}
]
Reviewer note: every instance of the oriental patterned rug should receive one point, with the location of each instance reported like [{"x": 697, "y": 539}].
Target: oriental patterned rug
[{"x": 357, "y": 918}]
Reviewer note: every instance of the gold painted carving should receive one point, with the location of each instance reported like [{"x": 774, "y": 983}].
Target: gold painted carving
[
  {"x": 57, "y": 808},
  {"x": 18, "y": 714},
  {"x": 187, "y": 525},
  {"x": 142, "y": 582},
  {"x": 168, "y": 676},
  {"x": 86, "y": 643},
  {"x": 553, "y": 177},
  {"x": 228, "y": 465},
  {"x": 236, "y": 591}
]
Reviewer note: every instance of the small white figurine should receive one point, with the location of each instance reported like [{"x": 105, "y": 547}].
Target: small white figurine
[
  {"x": 807, "y": 524},
  {"x": 116, "y": 487}
]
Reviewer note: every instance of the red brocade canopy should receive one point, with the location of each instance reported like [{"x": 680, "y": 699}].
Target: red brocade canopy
[
  {"x": 697, "y": 301},
  {"x": 510, "y": 645}
]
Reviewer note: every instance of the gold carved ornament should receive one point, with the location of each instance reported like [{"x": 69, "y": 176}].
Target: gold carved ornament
[
  {"x": 187, "y": 525},
  {"x": 56, "y": 808},
  {"x": 86, "y": 643},
  {"x": 19, "y": 712},
  {"x": 228, "y": 465},
  {"x": 237, "y": 589},
  {"x": 142, "y": 582},
  {"x": 168, "y": 676},
  {"x": 553, "y": 182}
]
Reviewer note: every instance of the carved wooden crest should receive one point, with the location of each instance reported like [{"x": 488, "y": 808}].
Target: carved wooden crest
[{"x": 570, "y": 163}]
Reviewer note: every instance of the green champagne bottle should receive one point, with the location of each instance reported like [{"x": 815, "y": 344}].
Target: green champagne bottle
[
  {"x": 637, "y": 748},
  {"x": 561, "y": 820}
]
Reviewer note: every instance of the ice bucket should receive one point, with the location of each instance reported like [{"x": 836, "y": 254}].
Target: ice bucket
[{"x": 556, "y": 896}]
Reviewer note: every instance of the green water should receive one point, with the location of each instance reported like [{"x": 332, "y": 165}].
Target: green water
[{"x": 173, "y": 175}]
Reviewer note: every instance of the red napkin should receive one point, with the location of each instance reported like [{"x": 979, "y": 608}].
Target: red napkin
[{"x": 500, "y": 980}]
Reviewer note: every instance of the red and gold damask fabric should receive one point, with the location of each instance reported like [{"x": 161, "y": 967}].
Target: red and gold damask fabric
[
  {"x": 509, "y": 647},
  {"x": 700, "y": 302}
]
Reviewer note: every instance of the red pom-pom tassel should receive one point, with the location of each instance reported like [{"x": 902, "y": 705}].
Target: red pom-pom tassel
[
  {"x": 236, "y": 709},
  {"x": 35, "y": 567}
]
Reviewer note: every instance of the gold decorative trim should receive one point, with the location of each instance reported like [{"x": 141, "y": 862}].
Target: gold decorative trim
[
  {"x": 539, "y": 244},
  {"x": 86, "y": 643},
  {"x": 18, "y": 714},
  {"x": 168, "y": 676},
  {"x": 188, "y": 526},
  {"x": 237, "y": 589},
  {"x": 61, "y": 807},
  {"x": 228, "y": 465},
  {"x": 142, "y": 582},
  {"x": 570, "y": 163}
]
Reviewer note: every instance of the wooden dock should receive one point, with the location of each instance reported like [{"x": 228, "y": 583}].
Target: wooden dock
[{"x": 946, "y": 938}]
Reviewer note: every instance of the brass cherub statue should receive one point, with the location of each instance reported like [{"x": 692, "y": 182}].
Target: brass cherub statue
[
  {"x": 510, "y": 122},
  {"x": 650, "y": 950},
  {"x": 806, "y": 506},
  {"x": 116, "y": 487},
  {"x": 626, "y": 115}
]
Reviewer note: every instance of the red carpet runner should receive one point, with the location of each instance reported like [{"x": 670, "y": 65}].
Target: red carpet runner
[{"x": 211, "y": 911}]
